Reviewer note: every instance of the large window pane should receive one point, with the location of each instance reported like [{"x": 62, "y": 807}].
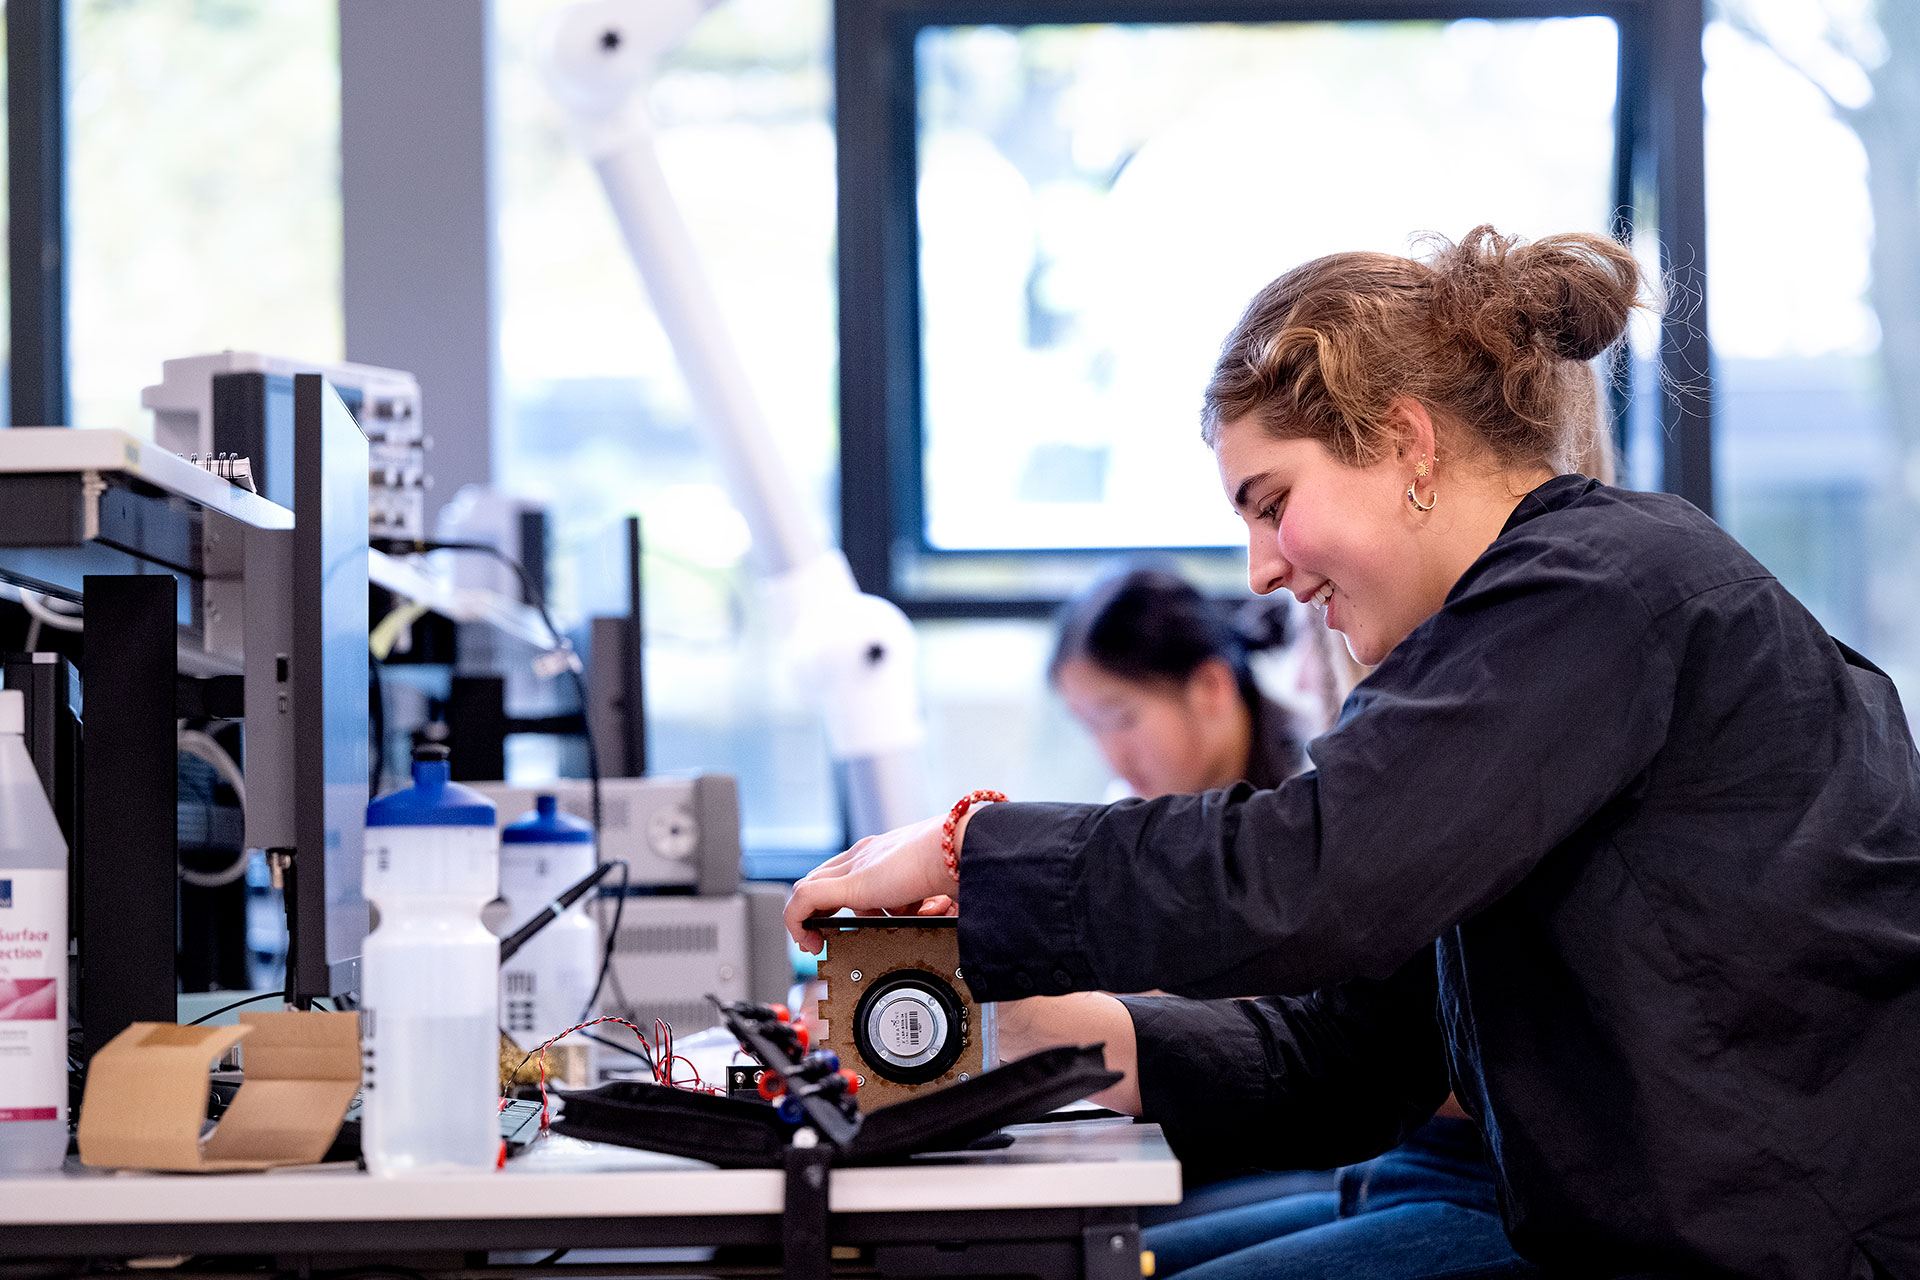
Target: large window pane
[
  {"x": 1814, "y": 228},
  {"x": 598, "y": 423},
  {"x": 203, "y": 187},
  {"x": 1098, "y": 203}
]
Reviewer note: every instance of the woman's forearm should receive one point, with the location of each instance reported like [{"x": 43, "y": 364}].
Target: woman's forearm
[{"x": 1086, "y": 1017}]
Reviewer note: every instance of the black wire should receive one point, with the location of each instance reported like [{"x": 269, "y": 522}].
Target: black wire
[
  {"x": 271, "y": 995},
  {"x": 613, "y": 934},
  {"x": 538, "y": 599},
  {"x": 642, "y": 1054},
  {"x": 645, "y": 1053},
  {"x": 553, "y": 1257}
]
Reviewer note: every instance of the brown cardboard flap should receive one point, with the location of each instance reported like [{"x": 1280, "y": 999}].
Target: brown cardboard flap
[
  {"x": 146, "y": 1098},
  {"x": 302, "y": 1046}
]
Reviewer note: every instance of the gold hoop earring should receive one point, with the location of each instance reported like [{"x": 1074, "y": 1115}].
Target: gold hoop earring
[{"x": 1419, "y": 472}]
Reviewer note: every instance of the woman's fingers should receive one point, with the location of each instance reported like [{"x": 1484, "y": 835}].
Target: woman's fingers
[
  {"x": 809, "y": 896},
  {"x": 902, "y": 866}
]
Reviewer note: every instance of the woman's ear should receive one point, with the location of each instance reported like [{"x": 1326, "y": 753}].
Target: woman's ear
[
  {"x": 1414, "y": 427},
  {"x": 1213, "y": 688}
]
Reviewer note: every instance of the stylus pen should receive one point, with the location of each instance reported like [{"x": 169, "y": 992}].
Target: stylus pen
[{"x": 552, "y": 911}]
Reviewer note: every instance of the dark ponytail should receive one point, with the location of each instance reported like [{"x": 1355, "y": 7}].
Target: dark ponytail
[{"x": 1153, "y": 626}]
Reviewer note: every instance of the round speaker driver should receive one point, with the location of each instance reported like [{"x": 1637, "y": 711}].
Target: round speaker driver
[
  {"x": 906, "y": 1026},
  {"x": 910, "y": 1026}
]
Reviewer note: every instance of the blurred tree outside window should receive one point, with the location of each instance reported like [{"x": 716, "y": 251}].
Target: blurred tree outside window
[
  {"x": 1813, "y": 177},
  {"x": 203, "y": 190}
]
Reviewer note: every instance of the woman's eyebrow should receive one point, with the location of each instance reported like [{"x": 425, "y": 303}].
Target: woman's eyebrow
[{"x": 1246, "y": 486}]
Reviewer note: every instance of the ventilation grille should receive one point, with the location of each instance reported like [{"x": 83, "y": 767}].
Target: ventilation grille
[{"x": 677, "y": 939}]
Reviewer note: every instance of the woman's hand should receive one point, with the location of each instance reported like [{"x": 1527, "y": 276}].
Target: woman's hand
[{"x": 896, "y": 872}]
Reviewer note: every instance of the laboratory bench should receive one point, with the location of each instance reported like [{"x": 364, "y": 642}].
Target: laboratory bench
[{"x": 1059, "y": 1203}]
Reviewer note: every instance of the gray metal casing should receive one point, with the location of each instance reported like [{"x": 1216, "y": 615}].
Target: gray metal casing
[
  {"x": 673, "y": 832},
  {"x": 269, "y": 735}
]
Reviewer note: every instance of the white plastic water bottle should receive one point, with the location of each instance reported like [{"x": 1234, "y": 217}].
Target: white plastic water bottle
[
  {"x": 546, "y": 984},
  {"x": 430, "y": 978},
  {"x": 33, "y": 959}
]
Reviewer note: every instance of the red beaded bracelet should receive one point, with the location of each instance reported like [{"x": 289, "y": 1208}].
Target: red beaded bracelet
[{"x": 954, "y": 815}]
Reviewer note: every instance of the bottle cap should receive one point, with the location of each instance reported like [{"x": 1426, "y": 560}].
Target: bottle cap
[
  {"x": 13, "y": 711},
  {"x": 547, "y": 825},
  {"x": 434, "y": 800}
]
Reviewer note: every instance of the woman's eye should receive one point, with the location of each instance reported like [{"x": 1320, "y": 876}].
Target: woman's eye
[{"x": 1271, "y": 512}]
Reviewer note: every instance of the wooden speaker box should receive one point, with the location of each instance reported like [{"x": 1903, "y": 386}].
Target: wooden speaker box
[{"x": 896, "y": 1008}]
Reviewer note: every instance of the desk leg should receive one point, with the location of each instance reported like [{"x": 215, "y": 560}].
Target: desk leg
[
  {"x": 1110, "y": 1245},
  {"x": 128, "y": 883},
  {"x": 804, "y": 1252}
]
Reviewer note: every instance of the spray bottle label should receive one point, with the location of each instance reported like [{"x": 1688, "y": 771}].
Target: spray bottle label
[{"x": 33, "y": 1002}]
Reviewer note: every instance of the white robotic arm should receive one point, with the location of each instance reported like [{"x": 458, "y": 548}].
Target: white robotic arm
[{"x": 856, "y": 651}]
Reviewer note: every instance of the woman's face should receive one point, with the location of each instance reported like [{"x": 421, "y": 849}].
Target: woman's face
[
  {"x": 1340, "y": 537},
  {"x": 1161, "y": 737}
]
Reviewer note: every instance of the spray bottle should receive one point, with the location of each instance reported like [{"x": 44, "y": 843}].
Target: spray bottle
[{"x": 33, "y": 959}]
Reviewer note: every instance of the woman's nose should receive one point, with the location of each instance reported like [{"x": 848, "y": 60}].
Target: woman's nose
[{"x": 1267, "y": 569}]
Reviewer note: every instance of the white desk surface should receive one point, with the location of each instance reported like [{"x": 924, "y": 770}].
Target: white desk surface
[{"x": 1069, "y": 1164}]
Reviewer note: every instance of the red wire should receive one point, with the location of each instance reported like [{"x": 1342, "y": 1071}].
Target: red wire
[{"x": 659, "y": 1051}]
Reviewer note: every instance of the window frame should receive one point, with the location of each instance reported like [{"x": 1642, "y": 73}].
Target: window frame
[
  {"x": 1659, "y": 187},
  {"x": 37, "y": 212}
]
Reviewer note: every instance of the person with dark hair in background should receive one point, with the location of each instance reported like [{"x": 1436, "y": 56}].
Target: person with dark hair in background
[
  {"x": 1615, "y": 840},
  {"x": 1161, "y": 677}
]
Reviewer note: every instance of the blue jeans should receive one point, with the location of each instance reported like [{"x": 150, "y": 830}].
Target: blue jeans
[{"x": 1426, "y": 1210}]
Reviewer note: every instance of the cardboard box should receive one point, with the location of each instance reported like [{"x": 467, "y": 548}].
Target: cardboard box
[{"x": 146, "y": 1098}]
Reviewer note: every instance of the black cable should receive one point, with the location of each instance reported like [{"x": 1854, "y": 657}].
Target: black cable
[
  {"x": 613, "y": 934},
  {"x": 553, "y": 1257},
  {"x": 645, "y": 1053},
  {"x": 271, "y": 995},
  {"x": 627, "y": 1049},
  {"x": 511, "y": 944},
  {"x": 538, "y": 599}
]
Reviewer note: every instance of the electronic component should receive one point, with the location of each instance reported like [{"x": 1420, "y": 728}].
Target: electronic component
[
  {"x": 671, "y": 832},
  {"x": 896, "y": 1007},
  {"x": 239, "y": 402},
  {"x": 228, "y": 466}
]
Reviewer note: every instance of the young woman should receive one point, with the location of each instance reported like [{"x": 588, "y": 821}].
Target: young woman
[
  {"x": 1616, "y": 840},
  {"x": 1161, "y": 677}
]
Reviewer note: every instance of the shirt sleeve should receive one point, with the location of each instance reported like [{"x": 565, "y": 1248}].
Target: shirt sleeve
[
  {"x": 1513, "y": 716},
  {"x": 1304, "y": 1082}
]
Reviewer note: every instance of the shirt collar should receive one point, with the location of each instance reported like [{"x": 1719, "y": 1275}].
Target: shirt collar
[{"x": 1555, "y": 494}]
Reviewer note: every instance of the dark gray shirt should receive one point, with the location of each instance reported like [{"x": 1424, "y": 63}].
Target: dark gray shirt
[{"x": 1661, "y": 834}]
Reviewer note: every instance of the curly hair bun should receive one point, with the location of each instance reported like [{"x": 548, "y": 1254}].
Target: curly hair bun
[
  {"x": 1490, "y": 330},
  {"x": 1567, "y": 296}
]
